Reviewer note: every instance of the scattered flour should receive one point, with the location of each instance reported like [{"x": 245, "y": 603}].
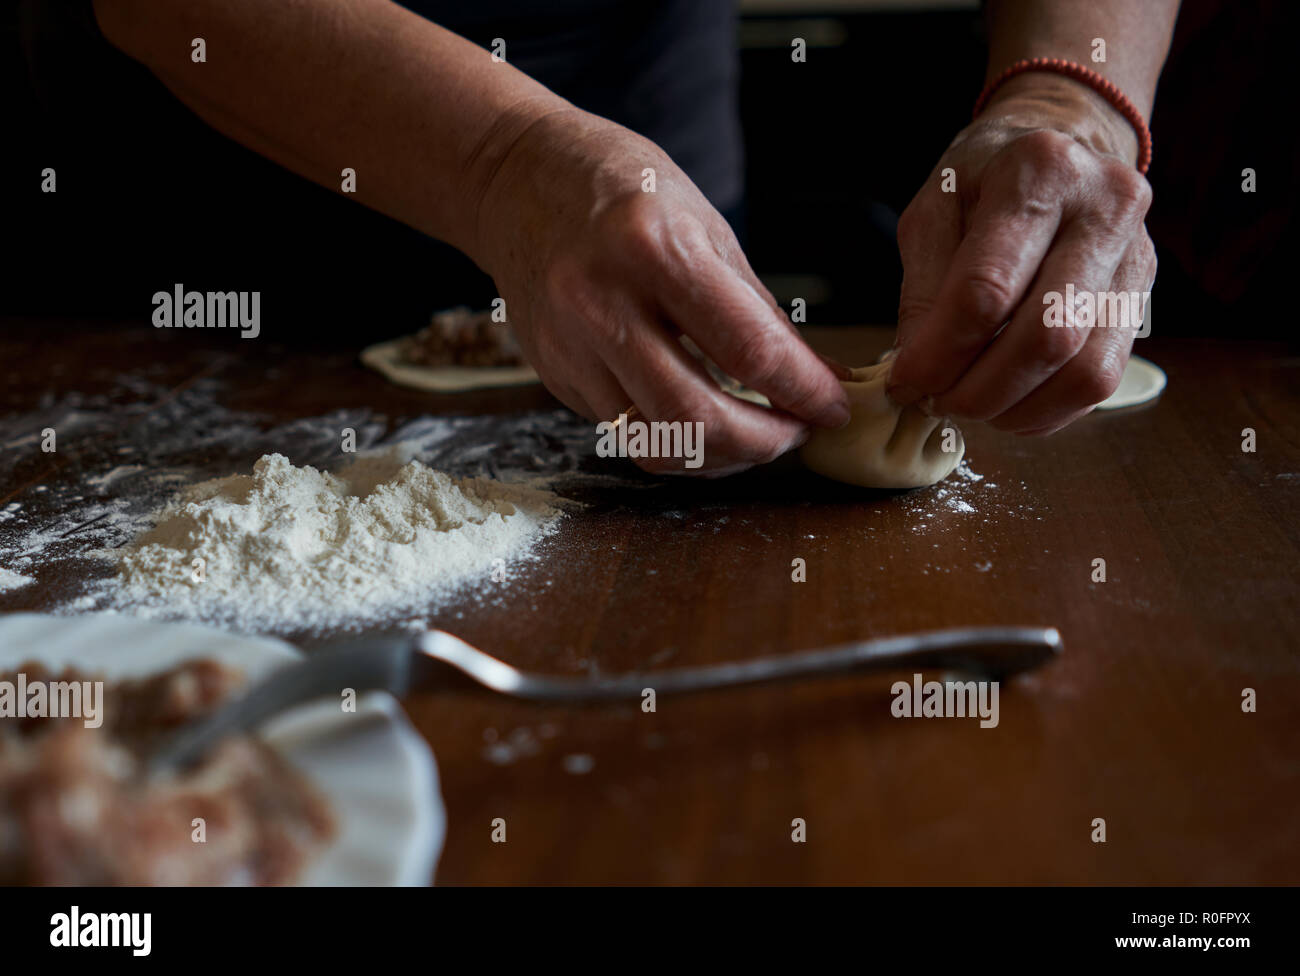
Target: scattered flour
[
  {"x": 103, "y": 481},
  {"x": 578, "y": 764},
  {"x": 519, "y": 744},
  {"x": 293, "y": 547},
  {"x": 10, "y": 580}
]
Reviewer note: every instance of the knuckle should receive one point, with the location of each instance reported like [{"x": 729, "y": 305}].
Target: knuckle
[
  {"x": 912, "y": 307},
  {"x": 640, "y": 242},
  {"x": 1098, "y": 382},
  {"x": 1050, "y": 156},
  {"x": 1051, "y": 348},
  {"x": 1129, "y": 190},
  {"x": 632, "y": 227},
  {"x": 760, "y": 358},
  {"x": 988, "y": 296},
  {"x": 1035, "y": 206}
]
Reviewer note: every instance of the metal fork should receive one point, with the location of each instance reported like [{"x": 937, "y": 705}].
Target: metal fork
[{"x": 415, "y": 661}]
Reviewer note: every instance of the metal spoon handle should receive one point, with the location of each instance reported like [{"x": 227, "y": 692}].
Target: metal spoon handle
[
  {"x": 399, "y": 664},
  {"x": 989, "y": 651}
]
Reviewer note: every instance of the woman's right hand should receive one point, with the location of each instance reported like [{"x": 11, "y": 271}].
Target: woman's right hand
[{"x": 601, "y": 275}]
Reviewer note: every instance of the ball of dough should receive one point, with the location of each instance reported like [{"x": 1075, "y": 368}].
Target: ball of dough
[{"x": 884, "y": 445}]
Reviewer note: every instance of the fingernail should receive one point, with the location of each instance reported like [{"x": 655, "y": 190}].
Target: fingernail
[
  {"x": 835, "y": 416},
  {"x": 903, "y": 395}
]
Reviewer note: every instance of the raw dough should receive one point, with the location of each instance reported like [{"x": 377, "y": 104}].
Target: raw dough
[
  {"x": 1142, "y": 381},
  {"x": 387, "y": 359},
  {"x": 884, "y": 445},
  {"x": 729, "y": 384}
]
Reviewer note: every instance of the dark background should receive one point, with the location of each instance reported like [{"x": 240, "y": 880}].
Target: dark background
[{"x": 833, "y": 154}]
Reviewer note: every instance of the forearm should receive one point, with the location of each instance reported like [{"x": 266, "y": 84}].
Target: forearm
[
  {"x": 1136, "y": 36},
  {"x": 422, "y": 115}
]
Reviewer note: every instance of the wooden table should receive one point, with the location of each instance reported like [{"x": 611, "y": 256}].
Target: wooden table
[{"x": 1140, "y": 723}]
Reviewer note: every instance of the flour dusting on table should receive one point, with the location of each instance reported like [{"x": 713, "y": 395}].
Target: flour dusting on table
[
  {"x": 294, "y": 547},
  {"x": 119, "y": 465},
  {"x": 10, "y": 580}
]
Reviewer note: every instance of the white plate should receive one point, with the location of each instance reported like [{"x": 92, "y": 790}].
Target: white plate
[
  {"x": 386, "y": 358},
  {"x": 374, "y": 769}
]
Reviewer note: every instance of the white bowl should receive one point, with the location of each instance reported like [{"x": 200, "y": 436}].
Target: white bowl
[{"x": 375, "y": 770}]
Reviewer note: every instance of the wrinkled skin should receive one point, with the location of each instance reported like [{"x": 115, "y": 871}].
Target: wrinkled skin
[
  {"x": 600, "y": 278},
  {"x": 1045, "y": 196}
]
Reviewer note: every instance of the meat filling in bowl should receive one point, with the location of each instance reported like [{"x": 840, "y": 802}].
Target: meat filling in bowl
[{"x": 74, "y": 808}]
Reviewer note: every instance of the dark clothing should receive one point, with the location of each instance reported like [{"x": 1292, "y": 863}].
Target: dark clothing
[
  {"x": 150, "y": 196},
  {"x": 666, "y": 70}
]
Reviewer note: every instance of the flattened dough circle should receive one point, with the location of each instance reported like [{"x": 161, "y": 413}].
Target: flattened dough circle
[
  {"x": 1142, "y": 382},
  {"x": 386, "y": 358}
]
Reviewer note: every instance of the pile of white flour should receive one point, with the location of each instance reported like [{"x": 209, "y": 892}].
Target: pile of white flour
[{"x": 295, "y": 548}]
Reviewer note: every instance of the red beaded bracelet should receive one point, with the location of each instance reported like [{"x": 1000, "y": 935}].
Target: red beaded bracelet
[{"x": 1106, "y": 89}]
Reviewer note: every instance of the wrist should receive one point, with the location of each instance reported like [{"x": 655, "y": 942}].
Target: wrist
[
  {"x": 1043, "y": 100},
  {"x": 489, "y": 168},
  {"x": 560, "y": 168}
]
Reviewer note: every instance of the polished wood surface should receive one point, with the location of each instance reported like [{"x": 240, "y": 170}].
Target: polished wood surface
[{"x": 1140, "y": 723}]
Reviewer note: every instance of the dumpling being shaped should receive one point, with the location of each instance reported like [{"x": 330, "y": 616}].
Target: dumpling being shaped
[{"x": 883, "y": 445}]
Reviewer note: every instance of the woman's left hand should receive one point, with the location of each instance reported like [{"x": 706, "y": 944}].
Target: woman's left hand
[{"x": 1046, "y": 196}]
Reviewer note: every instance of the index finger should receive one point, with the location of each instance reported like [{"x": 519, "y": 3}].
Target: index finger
[
  {"x": 1011, "y": 231},
  {"x": 929, "y": 233},
  {"x": 752, "y": 341}
]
